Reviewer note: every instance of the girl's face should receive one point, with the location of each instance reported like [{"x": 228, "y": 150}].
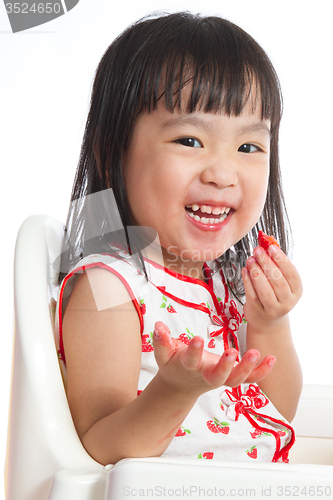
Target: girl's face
[{"x": 199, "y": 179}]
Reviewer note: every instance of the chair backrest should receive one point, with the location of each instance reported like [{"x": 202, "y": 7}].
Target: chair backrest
[{"x": 42, "y": 439}]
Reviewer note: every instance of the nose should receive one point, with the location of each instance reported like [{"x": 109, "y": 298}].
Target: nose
[{"x": 220, "y": 171}]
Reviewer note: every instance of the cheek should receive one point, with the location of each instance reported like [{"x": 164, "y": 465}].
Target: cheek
[{"x": 255, "y": 194}]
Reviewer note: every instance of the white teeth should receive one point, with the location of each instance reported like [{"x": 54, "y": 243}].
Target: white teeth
[
  {"x": 205, "y": 220},
  {"x": 206, "y": 209},
  {"x": 221, "y": 211}
]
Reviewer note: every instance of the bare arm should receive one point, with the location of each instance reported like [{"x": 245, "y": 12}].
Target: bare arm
[
  {"x": 103, "y": 355},
  {"x": 273, "y": 287}
]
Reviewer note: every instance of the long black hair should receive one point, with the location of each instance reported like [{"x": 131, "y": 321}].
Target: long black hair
[{"x": 225, "y": 67}]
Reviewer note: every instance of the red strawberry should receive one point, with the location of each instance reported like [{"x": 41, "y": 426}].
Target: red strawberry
[
  {"x": 213, "y": 427},
  {"x": 252, "y": 453},
  {"x": 218, "y": 427},
  {"x": 171, "y": 309},
  {"x": 209, "y": 455},
  {"x": 182, "y": 432},
  {"x": 186, "y": 337},
  {"x": 256, "y": 433},
  {"x": 265, "y": 241},
  {"x": 143, "y": 307},
  {"x": 211, "y": 344},
  {"x": 146, "y": 343}
]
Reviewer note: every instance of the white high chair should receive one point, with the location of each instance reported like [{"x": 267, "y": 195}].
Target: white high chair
[{"x": 45, "y": 458}]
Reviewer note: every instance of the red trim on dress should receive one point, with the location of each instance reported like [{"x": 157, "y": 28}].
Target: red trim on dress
[
  {"x": 194, "y": 281},
  {"x": 193, "y": 305},
  {"x": 83, "y": 268},
  {"x": 235, "y": 396}
]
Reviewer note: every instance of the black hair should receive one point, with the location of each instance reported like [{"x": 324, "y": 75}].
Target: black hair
[{"x": 225, "y": 67}]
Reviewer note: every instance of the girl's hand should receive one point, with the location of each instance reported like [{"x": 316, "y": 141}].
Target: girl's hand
[
  {"x": 272, "y": 287},
  {"x": 191, "y": 369}
]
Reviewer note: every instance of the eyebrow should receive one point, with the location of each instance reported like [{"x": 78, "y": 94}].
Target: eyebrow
[
  {"x": 185, "y": 119},
  {"x": 258, "y": 126}
]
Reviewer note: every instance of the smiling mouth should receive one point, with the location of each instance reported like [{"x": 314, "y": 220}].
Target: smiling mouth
[{"x": 207, "y": 214}]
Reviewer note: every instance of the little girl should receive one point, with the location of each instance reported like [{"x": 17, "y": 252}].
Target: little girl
[{"x": 160, "y": 356}]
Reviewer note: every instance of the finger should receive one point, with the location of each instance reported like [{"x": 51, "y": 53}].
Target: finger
[
  {"x": 193, "y": 354},
  {"x": 285, "y": 279},
  {"x": 163, "y": 345},
  {"x": 260, "y": 283},
  {"x": 250, "y": 292},
  {"x": 243, "y": 369},
  {"x": 217, "y": 374},
  {"x": 288, "y": 270},
  {"x": 262, "y": 370},
  {"x": 273, "y": 274}
]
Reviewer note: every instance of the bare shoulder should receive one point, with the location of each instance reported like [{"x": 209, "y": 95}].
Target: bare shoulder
[{"x": 102, "y": 343}]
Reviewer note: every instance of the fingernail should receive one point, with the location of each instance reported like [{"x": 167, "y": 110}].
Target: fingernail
[
  {"x": 231, "y": 355},
  {"x": 157, "y": 329},
  {"x": 273, "y": 249},
  {"x": 253, "y": 357},
  {"x": 157, "y": 334},
  {"x": 197, "y": 343},
  {"x": 271, "y": 361},
  {"x": 258, "y": 250}
]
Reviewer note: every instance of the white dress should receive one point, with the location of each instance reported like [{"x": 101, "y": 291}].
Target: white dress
[{"x": 238, "y": 424}]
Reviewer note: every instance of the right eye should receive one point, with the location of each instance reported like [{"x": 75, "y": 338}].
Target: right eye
[{"x": 190, "y": 142}]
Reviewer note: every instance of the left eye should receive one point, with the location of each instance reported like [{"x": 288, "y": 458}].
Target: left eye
[
  {"x": 190, "y": 142},
  {"x": 248, "y": 148}
]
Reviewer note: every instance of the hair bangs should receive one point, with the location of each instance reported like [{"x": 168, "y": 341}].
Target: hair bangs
[{"x": 221, "y": 73}]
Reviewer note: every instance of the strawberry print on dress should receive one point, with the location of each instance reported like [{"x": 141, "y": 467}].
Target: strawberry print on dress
[
  {"x": 182, "y": 432},
  {"x": 253, "y": 452},
  {"x": 167, "y": 305},
  {"x": 186, "y": 337},
  {"x": 147, "y": 342},
  {"x": 209, "y": 455},
  {"x": 216, "y": 426},
  {"x": 232, "y": 424},
  {"x": 143, "y": 306}
]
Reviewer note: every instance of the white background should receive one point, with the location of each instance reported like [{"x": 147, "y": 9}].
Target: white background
[{"x": 45, "y": 80}]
